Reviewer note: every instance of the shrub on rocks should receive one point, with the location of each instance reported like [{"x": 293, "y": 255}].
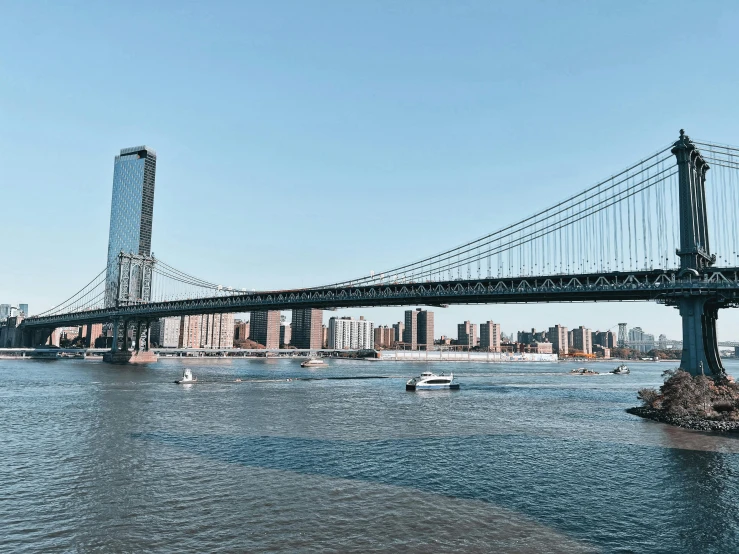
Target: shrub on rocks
[{"x": 683, "y": 395}]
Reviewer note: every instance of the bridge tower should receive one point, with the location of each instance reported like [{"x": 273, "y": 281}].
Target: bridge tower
[
  {"x": 621, "y": 342},
  {"x": 134, "y": 287},
  {"x": 699, "y": 313}
]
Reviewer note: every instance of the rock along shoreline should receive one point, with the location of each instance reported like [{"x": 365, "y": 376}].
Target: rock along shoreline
[{"x": 686, "y": 422}]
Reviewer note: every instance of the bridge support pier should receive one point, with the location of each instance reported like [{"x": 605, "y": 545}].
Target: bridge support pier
[
  {"x": 137, "y": 336},
  {"x": 700, "y": 342},
  {"x": 124, "y": 355},
  {"x": 114, "y": 345}
]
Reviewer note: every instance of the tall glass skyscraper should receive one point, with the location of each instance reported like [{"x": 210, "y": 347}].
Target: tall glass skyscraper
[{"x": 131, "y": 211}]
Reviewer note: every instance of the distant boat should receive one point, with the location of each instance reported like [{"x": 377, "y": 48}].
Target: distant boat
[
  {"x": 621, "y": 370},
  {"x": 187, "y": 378},
  {"x": 313, "y": 362},
  {"x": 583, "y": 371},
  {"x": 430, "y": 381},
  {"x": 372, "y": 359}
]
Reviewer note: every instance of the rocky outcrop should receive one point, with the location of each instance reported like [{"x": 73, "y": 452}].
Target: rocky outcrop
[{"x": 688, "y": 422}]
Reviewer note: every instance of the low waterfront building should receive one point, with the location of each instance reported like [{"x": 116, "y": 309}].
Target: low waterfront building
[
  {"x": 538, "y": 348},
  {"x": 601, "y": 351}
]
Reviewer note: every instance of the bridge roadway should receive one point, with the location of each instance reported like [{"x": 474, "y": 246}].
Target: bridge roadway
[
  {"x": 646, "y": 285},
  {"x": 185, "y": 352}
]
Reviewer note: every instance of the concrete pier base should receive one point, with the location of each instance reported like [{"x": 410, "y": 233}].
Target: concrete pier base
[{"x": 119, "y": 357}]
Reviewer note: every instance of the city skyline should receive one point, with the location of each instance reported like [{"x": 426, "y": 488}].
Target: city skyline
[{"x": 409, "y": 152}]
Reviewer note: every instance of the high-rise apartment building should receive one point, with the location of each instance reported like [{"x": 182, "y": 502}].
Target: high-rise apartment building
[
  {"x": 410, "y": 331},
  {"x": 166, "y": 332},
  {"x": 388, "y": 336},
  {"x": 490, "y": 336},
  {"x": 264, "y": 328},
  {"x": 307, "y": 328},
  {"x": 131, "y": 211},
  {"x": 557, "y": 335},
  {"x": 582, "y": 340},
  {"x": 286, "y": 334},
  {"x": 384, "y": 337},
  {"x": 467, "y": 334},
  {"x": 606, "y": 339},
  {"x": 207, "y": 331},
  {"x": 399, "y": 327},
  {"x": 4, "y": 311},
  {"x": 639, "y": 340},
  {"x": 425, "y": 335},
  {"x": 350, "y": 334},
  {"x": 91, "y": 333},
  {"x": 379, "y": 343},
  {"x": 241, "y": 330},
  {"x": 23, "y": 309},
  {"x": 662, "y": 342},
  {"x": 218, "y": 330}
]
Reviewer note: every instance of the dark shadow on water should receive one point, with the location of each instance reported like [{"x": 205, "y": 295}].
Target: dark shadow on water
[{"x": 624, "y": 498}]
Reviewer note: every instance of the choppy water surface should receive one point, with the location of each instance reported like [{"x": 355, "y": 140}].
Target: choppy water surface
[{"x": 525, "y": 458}]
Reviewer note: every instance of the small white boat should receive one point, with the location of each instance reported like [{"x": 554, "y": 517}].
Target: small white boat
[
  {"x": 621, "y": 370},
  {"x": 372, "y": 359},
  {"x": 430, "y": 381},
  {"x": 313, "y": 362},
  {"x": 186, "y": 378}
]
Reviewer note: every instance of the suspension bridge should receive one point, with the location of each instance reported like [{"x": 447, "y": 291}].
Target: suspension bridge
[{"x": 639, "y": 235}]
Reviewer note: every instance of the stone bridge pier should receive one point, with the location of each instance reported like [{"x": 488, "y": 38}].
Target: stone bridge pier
[{"x": 131, "y": 343}]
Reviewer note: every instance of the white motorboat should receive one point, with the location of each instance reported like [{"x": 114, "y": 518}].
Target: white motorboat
[
  {"x": 187, "y": 378},
  {"x": 313, "y": 362},
  {"x": 430, "y": 381},
  {"x": 621, "y": 370}
]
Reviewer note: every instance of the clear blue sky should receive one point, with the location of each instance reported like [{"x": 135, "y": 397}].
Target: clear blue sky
[{"x": 302, "y": 142}]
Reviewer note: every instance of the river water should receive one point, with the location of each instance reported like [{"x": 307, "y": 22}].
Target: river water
[{"x": 524, "y": 458}]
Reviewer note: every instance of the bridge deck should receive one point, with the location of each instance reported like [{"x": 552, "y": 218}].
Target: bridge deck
[{"x": 659, "y": 285}]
